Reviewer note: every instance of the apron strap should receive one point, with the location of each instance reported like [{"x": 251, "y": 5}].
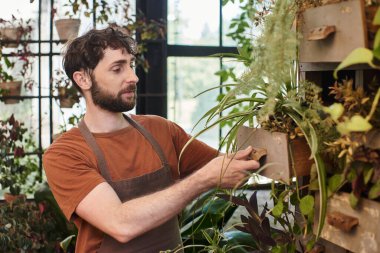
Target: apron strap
[
  {"x": 90, "y": 139},
  {"x": 149, "y": 137}
]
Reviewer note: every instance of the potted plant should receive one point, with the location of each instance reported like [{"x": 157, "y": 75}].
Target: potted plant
[
  {"x": 18, "y": 173},
  {"x": 16, "y": 65},
  {"x": 68, "y": 94},
  {"x": 68, "y": 22},
  {"x": 270, "y": 96}
]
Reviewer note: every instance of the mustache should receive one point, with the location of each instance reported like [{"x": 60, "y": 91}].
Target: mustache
[{"x": 131, "y": 88}]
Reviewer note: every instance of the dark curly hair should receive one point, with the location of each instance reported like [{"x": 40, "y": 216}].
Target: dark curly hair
[{"x": 86, "y": 51}]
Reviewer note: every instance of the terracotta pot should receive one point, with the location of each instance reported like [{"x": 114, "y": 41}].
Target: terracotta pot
[
  {"x": 285, "y": 158},
  {"x": 14, "y": 89},
  {"x": 9, "y": 198},
  {"x": 10, "y": 33},
  {"x": 66, "y": 102},
  {"x": 67, "y": 28}
]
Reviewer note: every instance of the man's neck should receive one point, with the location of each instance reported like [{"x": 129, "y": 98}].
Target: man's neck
[{"x": 103, "y": 121}]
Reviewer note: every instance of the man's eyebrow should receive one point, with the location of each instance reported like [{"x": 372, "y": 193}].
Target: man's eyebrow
[{"x": 123, "y": 61}]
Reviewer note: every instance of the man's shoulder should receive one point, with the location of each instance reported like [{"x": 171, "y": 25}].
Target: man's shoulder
[
  {"x": 151, "y": 120},
  {"x": 68, "y": 140}
]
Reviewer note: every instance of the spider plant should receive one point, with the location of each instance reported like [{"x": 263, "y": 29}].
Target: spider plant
[{"x": 273, "y": 97}]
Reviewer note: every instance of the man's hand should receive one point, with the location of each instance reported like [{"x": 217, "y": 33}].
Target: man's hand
[{"x": 229, "y": 171}]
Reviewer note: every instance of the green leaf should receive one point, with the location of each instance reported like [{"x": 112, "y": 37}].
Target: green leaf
[
  {"x": 374, "y": 192},
  {"x": 376, "y": 42},
  {"x": 335, "y": 110},
  {"x": 355, "y": 124},
  {"x": 334, "y": 182},
  {"x": 277, "y": 209},
  {"x": 66, "y": 243},
  {"x": 357, "y": 56},
  {"x": 376, "y": 53},
  {"x": 353, "y": 200},
  {"x": 368, "y": 174},
  {"x": 307, "y": 204},
  {"x": 294, "y": 199},
  {"x": 376, "y": 19}
]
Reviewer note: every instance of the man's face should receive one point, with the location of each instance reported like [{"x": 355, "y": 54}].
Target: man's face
[{"x": 114, "y": 82}]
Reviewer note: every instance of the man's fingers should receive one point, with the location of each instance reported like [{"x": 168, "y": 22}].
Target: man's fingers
[{"x": 242, "y": 154}]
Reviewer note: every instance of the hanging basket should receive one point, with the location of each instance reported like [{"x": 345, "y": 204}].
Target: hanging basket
[
  {"x": 10, "y": 34},
  {"x": 13, "y": 89},
  {"x": 67, "y": 28}
]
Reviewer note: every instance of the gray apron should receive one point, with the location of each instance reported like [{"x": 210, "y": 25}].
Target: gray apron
[{"x": 162, "y": 238}]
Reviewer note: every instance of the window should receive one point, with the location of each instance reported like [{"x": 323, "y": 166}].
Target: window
[{"x": 196, "y": 30}]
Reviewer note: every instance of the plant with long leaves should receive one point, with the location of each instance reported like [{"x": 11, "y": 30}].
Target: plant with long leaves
[{"x": 273, "y": 96}]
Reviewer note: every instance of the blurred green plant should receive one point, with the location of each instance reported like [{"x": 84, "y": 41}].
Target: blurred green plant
[
  {"x": 18, "y": 172},
  {"x": 34, "y": 225}
]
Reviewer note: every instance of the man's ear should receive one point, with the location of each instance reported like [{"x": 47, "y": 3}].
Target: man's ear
[{"x": 82, "y": 79}]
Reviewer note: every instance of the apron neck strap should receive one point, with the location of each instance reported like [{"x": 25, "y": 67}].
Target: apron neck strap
[
  {"x": 90, "y": 139},
  {"x": 149, "y": 137}
]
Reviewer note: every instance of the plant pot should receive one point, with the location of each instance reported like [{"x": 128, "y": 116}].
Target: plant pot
[
  {"x": 67, "y": 28},
  {"x": 10, "y": 198},
  {"x": 14, "y": 89},
  {"x": 66, "y": 102},
  {"x": 363, "y": 237},
  {"x": 285, "y": 158},
  {"x": 11, "y": 34},
  {"x": 348, "y": 23}
]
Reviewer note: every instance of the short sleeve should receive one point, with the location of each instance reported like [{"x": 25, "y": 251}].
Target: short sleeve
[{"x": 71, "y": 174}]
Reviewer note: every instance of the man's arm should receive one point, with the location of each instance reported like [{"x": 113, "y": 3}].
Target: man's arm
[{"x": 125, "y": 221}]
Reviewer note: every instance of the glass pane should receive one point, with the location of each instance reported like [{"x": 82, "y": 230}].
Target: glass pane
[
  {"x": 187, "y": 77},
  {"x": 229, "y": 12},
  {"x": 193, "y": 22}
]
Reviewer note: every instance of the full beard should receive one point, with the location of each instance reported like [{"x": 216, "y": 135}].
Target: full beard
[{"x": 110, "y": 102}]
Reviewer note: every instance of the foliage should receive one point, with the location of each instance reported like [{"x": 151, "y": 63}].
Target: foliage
[
  {"x": 18, "y": 172},
  {"x": 33, "y": 225},
  {"x": 63, "y": 85},
  {"x": 287, "y": 236},
  {"x": 357, "y": 117},
  {"x": 18, "y": 63},
  {"x": 203, "y": 226},
  {"x": 356, "y": 114},
  {"x": 273, "y": 96}
]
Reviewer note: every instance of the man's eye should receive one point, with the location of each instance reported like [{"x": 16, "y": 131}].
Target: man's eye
[
  {"x": 116, "y": 70},
  {"x": 133, "y": 65}
]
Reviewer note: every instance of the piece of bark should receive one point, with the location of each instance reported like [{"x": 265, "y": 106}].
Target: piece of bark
[
  {"x": 321, "y": 33},
  {"x": 341, "y": 221},
  {"x": 258, "y": 153}
]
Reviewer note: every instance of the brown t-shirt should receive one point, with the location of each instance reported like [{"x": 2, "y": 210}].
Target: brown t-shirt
[{"x": 72, "y": 172}]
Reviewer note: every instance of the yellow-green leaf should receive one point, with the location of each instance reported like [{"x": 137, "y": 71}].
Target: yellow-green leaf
[
  {"x": 307, "y": 204},
  {"x": 376, "y": 19},
  {"x": 374, "y": 192},
  {"x": 355, "y": 124},
  {"x": 335, "y": 110},
  {"x": 358, "y": 56},
  {"x": 277, "y": 209},
  {"x": 376, "y": 42}
]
